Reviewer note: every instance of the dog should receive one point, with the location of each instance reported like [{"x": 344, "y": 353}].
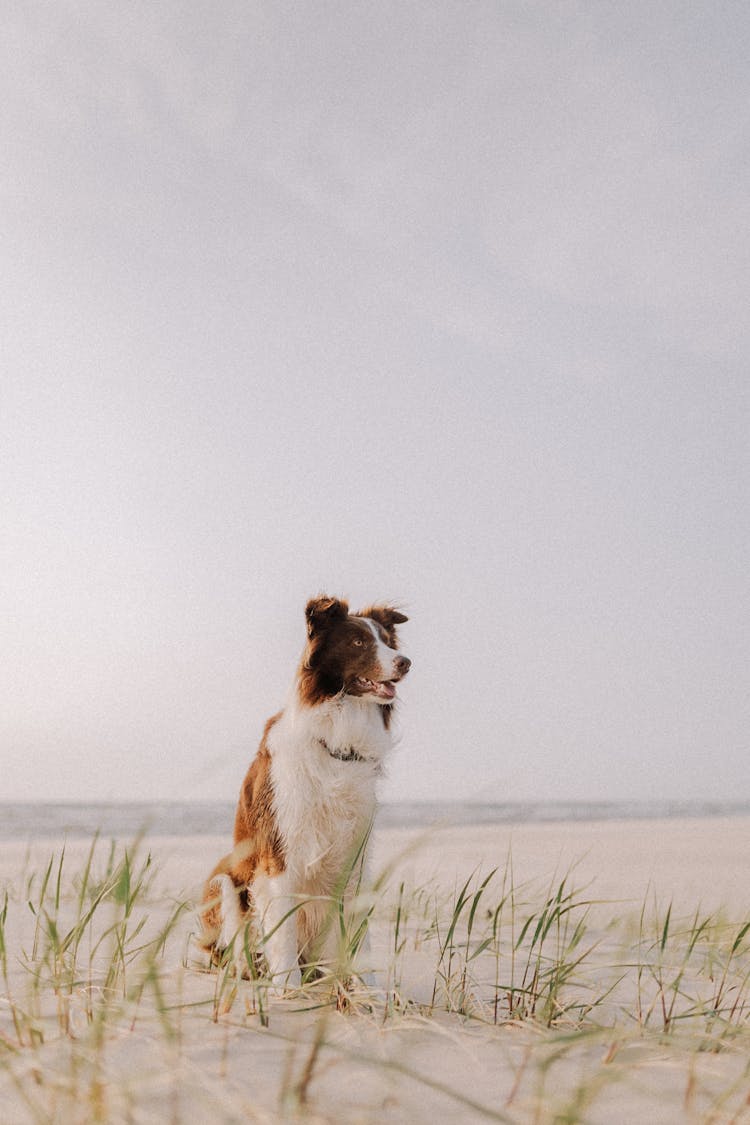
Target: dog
[{"x": 308, "y": 800}]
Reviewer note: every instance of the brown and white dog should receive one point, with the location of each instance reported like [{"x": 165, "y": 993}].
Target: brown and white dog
[{"x": 308, "y": 800}]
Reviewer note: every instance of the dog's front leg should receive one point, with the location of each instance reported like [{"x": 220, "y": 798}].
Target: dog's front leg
[{"x": 276, "y": 909}]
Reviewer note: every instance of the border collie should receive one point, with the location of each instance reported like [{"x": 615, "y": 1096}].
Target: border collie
[{"x": 308, "y": 799}]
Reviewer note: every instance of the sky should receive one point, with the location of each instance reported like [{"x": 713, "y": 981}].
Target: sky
[{"x": 438, "y": 303}]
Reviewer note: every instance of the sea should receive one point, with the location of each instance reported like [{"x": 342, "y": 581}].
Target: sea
[{"x": 125, "y": 819}]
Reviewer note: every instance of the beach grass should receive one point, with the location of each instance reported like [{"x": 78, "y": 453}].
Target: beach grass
[{"x": 488, "y": 1000}]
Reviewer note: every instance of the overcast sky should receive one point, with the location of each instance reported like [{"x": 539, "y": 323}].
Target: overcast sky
[{"x": 444, "y": 303}]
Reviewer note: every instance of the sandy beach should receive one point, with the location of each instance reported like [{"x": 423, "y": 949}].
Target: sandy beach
[{"x": 599, "y": 976}]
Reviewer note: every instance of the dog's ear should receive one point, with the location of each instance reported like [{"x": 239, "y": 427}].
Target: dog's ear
[
  {"x": 322, "y": 612},
  {"x": 387, "y": 618},
  {"x": 385, "y": 615}
]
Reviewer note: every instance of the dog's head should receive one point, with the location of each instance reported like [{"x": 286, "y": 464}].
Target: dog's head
[{"x": 351, "y": 653}]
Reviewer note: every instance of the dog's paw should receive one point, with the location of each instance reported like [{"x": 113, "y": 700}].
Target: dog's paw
[{"x": 284, "y": 984}]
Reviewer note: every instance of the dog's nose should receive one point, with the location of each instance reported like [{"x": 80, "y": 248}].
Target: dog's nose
[{"x": 403, "y": 664}]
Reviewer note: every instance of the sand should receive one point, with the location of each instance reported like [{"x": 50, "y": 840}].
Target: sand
[{"x": 421, "y": 1062}]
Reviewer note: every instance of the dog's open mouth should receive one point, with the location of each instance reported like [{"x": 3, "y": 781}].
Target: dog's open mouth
[{"x": 384, "y": 689}]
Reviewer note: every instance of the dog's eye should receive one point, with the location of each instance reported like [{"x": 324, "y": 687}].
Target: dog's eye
[{"x": 357, "y": 641}]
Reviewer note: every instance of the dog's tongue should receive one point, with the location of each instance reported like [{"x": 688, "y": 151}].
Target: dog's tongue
[{"x": 385, "y": 690}]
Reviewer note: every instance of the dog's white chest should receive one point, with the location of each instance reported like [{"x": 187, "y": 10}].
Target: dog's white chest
[
  {"x": 324, "y": 794},
  {"x": 325, "y": 843}
]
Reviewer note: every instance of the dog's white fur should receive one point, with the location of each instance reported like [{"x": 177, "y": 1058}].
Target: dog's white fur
[{"x": 324, "y": 809}]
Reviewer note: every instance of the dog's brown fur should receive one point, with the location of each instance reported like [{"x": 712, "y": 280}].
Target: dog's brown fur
[{"x": 257, "y": 846}]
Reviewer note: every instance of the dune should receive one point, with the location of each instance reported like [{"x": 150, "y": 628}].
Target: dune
[{"x": 599, "y": 975}]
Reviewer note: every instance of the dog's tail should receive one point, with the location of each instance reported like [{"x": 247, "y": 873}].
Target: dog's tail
[
  {"x": 230, "y": 909},
  {"x": 225, "y": 906}
]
